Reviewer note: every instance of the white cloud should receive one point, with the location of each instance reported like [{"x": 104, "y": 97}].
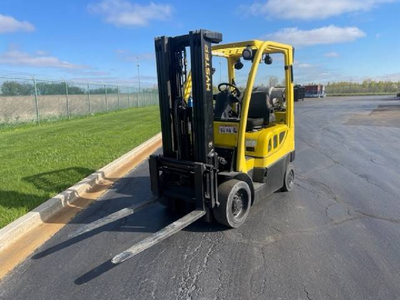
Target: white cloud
[
  {"x": 41, "y": 53},
  {"x": 298, "y": 64},
  {"x": 126, "y": 55},
  {"x": 314, "y": 73},
  {"x": 310, "y": 9},
  {"x": 324, "y": 35},
  {"x": 304, "y": 65},
  {"x": 9, "y": 24},
  {"x": 145, "y": 80},
  {"x": 331, "y": 54},
  {"x": 17, "y": 57},
  {"x": 125, "y": 13}
]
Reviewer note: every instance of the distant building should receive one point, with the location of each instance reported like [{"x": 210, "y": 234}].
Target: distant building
[{"x": 315, "y": 91}]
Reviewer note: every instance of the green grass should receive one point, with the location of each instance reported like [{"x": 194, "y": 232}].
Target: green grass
[{"x": 38, "y": 162}]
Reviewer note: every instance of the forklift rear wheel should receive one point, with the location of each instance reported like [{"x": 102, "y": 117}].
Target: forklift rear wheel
[
  {"x": 234, "y": 197},
  {"x": 288, "y": 182}
]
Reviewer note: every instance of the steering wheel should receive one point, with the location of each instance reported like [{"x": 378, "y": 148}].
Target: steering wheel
[{"x": 235, "y": 92}]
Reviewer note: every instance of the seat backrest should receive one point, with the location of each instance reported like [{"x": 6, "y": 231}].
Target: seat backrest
[
  {"x": 260, "y": 106},
  {"x": 222, "y": 107}
]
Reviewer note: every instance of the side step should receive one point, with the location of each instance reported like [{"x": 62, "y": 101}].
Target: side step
[
  {"x": 113, "y": 217},
  {"x": 158, "y": 236}
]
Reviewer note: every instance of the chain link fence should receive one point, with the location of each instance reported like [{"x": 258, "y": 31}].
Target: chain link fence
[{"x": 24, "y": 100}]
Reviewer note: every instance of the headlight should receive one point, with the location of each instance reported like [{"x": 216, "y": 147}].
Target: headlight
[{"x": 247, "y": 53}]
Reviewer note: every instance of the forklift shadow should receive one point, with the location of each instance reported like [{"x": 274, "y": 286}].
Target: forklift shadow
[
  {"x": 58, "y": 180},
  {"x": 54, "y": 182},
  {"x": 18, "y": 200},
  {"x": 148, "y": 220},
  {"x": 203, "y": 226},
  {"x": 199, "y": 226},
  {"x": 45, "y": 184},
  {"x": 123, "y": 194},
  {"x": 96, "y": 272}
]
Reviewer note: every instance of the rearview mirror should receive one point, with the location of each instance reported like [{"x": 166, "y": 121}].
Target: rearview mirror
[
  {"x": 238, "y": 65},
  {"x": 268, "y": 59}
]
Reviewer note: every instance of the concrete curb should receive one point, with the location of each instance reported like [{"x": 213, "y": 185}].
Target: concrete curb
[{"x": 15, "y": 230}]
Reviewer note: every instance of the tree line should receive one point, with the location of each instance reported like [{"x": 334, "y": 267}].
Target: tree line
[
  {"x": 16, "y": 88},
  {"x": 367, "y": 86}
]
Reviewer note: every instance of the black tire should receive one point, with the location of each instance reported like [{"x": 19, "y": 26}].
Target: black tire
[
  {"x": 234, "y": 197},
  {"x": 288, "y": 181}
]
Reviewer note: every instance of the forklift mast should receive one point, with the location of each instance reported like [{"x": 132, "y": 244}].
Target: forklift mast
[
  {"x": 187, "y": 169},
  {"x": 187, "y": 128}
]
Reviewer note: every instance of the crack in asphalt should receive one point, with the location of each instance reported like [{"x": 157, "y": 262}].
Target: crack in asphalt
[
  {"x": 363, "y": 176},
  {"x": 220, "y": 282},
  {"x": 324, "y": 187},
  {"x": 146, "y": 266},
  {"x": 351, "y": 211},
  {"x": 308, "y": 231},
  {"x": 373, "y": 216},
  {"x": 383, "y": 154},
  {"x": 307, "y": 294},
  {"x": 188, "y": 285}
]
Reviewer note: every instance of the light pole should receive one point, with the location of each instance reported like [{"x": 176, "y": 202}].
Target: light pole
[{"x": 138, "y": 72}]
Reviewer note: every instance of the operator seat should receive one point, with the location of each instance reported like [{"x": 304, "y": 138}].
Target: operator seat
[
  {"x": 223, "y": 107},
  {"x": 261, "y": 113}
]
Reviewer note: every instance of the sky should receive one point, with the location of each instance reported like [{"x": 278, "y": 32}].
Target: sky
[{"x": 105, "y": 40}]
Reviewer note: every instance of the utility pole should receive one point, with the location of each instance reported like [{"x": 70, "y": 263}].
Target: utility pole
[{"x": 138, "y": 72}]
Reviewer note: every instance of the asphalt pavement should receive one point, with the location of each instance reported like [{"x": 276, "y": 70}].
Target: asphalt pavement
[{"x": 335, "y": 236}]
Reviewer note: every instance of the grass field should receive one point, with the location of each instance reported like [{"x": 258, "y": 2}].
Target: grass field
[
  {"x": 37, "y": 162},
  {"x": 22, "y": 109}
]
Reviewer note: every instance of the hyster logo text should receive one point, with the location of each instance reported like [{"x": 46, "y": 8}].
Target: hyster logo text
[{"x": 207, "y": 66}]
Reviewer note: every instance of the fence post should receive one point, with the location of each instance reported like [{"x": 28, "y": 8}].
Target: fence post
[
  {"x": 66, "y": 94},
  {"x": 105, "y": 95},
  {"x": 118, "y": 96},
  {"x": 129, "y": 102},
  {"x": 88, "y": 94},
  {"x": 36, "y": 101}
]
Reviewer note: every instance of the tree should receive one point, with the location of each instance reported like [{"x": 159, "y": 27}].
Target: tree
[
  {"x": 14, "y": 88},
  {"x": 57, "y": 88},
  {"x": 273, "y": 81}
]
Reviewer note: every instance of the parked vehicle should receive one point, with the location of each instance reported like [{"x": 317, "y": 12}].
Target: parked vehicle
[
  {"x": 299, "y": 92},
  {"x": 315, "y": 91}
]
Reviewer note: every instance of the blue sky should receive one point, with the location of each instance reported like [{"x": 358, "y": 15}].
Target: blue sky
[{"x": 100, "y": 40}]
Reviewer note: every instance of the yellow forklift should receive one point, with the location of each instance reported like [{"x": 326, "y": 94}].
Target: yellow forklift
[{"x": 223, "y": 151}]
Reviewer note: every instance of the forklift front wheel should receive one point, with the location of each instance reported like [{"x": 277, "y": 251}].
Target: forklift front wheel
[
  {"x": 234, "y": 197},
  {"x": 288, "y": 182}
]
